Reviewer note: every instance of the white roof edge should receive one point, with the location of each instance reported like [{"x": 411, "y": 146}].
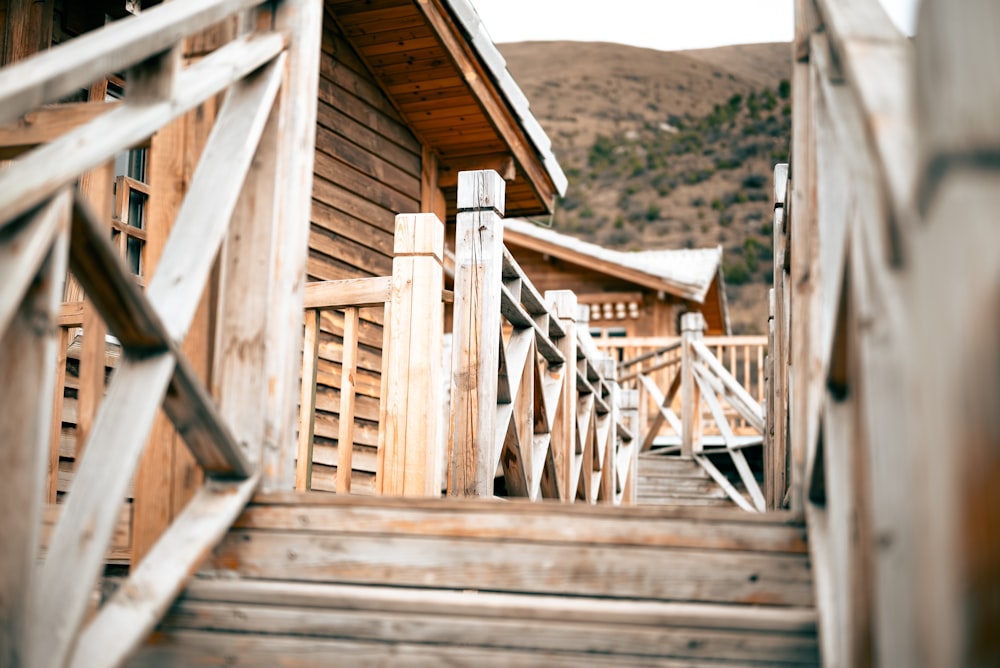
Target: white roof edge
[
  {"x": 481, "y": 42},
  {"x": 691, "y": 271}
]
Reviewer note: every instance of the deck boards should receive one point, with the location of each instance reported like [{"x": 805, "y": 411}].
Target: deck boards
[{"x": 373, "y": 581}]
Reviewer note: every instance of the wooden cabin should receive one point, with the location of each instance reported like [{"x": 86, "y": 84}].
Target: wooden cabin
[
  {"x": 630, "y": 294},
  {"x": 409, "y": 93}
]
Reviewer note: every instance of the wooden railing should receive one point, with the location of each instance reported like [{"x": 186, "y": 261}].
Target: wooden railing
[
  {"x": 654, "y": 361},
  {"x": 408, "y": 457},
  {"x": 531, "y": 395},
  {"x": 885, "y": 385},
  {"x": 261, "y": 144},
  {"x": 692, "y": 399}
]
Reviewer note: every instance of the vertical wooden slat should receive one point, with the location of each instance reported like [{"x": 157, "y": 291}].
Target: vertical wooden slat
[
  {"x": 408, "y": 438},
  {"x": 307, "y": 402},
  {"x": 303, "y": 20},
  {"x": 27, "y": 359},
  {"x": 564, "y": 307},
  {"x": 348, "y": 370},
  {"x": 55, "y": 430},
  {"x": 96, "y": 187},
  {"x": 478, "y": 252}
]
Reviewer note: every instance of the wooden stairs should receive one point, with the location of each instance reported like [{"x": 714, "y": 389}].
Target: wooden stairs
[
  {"x": 320, "y": 580},
  {"x": 677, "y": 481}
]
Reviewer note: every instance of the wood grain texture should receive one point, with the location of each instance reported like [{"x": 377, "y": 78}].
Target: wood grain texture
[{"x": 27, "y": 358}]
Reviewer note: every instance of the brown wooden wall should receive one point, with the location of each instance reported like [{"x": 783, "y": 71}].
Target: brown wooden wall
[{"x": 368, "y": 168}]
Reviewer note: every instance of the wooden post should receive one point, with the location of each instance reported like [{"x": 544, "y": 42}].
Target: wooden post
[
  {"x": 409, "y": 447},
  {"x": 564, "y": 306},
  {"x": 630, "y": 418},
  {"x": 692, "y": 329},
  {"x": 303, "y": 20},
  {"x": 606, "y": 368},
  {"x": 27, "y": 367},
  {"x": 478, "y": 257}
]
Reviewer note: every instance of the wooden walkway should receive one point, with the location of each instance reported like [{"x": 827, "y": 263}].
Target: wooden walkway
[{"x": 303, "y": 580}]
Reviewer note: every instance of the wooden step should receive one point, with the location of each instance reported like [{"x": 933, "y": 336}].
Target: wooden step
[
  {"x": 520, "y": 547},
  {"x": 379, "y": 581},
  {"x": 594, "y": 631},
  {"x": 677, "y": 484}
]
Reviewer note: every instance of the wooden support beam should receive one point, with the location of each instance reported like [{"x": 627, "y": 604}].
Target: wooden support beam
[
  {"x": 27, "y": 365},
  {"x": 564, "y": 307},
  {"x": 290, "y": 249},
  {"x": 57, "y": 72},
  {"x": 57, "y": 164},
  {"x": 409, "y": 443},
  {"x": 478, "y": 258},
  {"x": 692, "y": 329}
]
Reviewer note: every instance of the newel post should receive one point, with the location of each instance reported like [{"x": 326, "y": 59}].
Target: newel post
[
  {"x": 692, "y": 329},
  {"x": 409, "y": 447},
  {"x": 476, "y": 341}
]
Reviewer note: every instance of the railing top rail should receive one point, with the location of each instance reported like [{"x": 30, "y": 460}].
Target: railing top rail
[{"x": 57, "y": 72}]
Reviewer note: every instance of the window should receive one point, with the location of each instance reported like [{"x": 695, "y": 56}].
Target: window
[{"x": 131, "y": 194}]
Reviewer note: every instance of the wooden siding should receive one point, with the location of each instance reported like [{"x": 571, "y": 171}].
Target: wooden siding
[{"x": 368, "y": 169}]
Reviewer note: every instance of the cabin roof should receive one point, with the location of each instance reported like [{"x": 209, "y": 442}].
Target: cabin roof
[
  {"x": 685, "y": 273},
  {"x": 438, "y": 65}
]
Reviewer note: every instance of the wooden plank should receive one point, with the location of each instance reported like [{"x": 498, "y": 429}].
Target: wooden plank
[
  {"x": 125, "y": 620},
  {"x": 26, "y": 365},
  {"x": 23, "y": 253},
  {"x": 200, "y": 647},
  {"x": 355, "y": 292},
  {"x": 458, "y": 563},
  {"x": 45, "y": 124},
  {"x": 488, "y": 605},
  {"x": 522, "y": 521},
  {"x": 735, "y": 393},
  {"x": 410, "y": 415},
  {"x": 497, "y": 633},
  {"x": 723, "y": 481},
  {"x": 218, "y": 180},
  {"x": 44, "y": 170},
  {"x": 563, "y": 306},
  {"x": 60, "y": 71},
  {"x": 478, "y": 257},
  {"x": 86, "y": 525},
  {"x": 692, "y": 327},
  {"x": 293, "y": 177},
  {"x": 307, "y": 403},
  {"x": 345, "y": 434}
]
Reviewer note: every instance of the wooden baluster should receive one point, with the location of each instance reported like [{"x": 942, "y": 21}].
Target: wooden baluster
[
  {"x": 478, "y": 257},
  {"x": 409, "y": 447},
  {"x": 307, "y": 402},
  {"x": 348, "y": 371},
  {"x": 564, "y": 306},
  {"x": 692, "y": 329}
]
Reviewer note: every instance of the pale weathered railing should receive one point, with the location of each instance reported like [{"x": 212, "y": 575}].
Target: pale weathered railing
[
  {"x": 886, "y": 344},
  {"x": 651, "y": 363},
  {"x": 549, "y": 420},
  {"x": 261, "y": 144},
  {"x": 408, "y": 460},
  {"x": 702, "y": 404}
]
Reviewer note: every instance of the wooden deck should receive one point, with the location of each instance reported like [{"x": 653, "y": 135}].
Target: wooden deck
[{"x": 301, "y": 579}]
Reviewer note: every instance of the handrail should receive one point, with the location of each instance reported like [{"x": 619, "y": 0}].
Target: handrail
[
  {"x": 550, "y": 419},
  {"x": 37, "y": 210}
]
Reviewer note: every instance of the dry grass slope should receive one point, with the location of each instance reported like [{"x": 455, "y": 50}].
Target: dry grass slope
[{"x": 667, "y": 149}]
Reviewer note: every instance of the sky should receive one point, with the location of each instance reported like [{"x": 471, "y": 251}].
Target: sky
[{"x": 667, "y": 25}]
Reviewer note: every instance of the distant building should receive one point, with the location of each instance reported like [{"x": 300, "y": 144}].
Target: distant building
[{"x": 629, "y": 293}]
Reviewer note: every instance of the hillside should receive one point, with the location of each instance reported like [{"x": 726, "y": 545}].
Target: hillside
[{"x": 667, "y": 149}]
